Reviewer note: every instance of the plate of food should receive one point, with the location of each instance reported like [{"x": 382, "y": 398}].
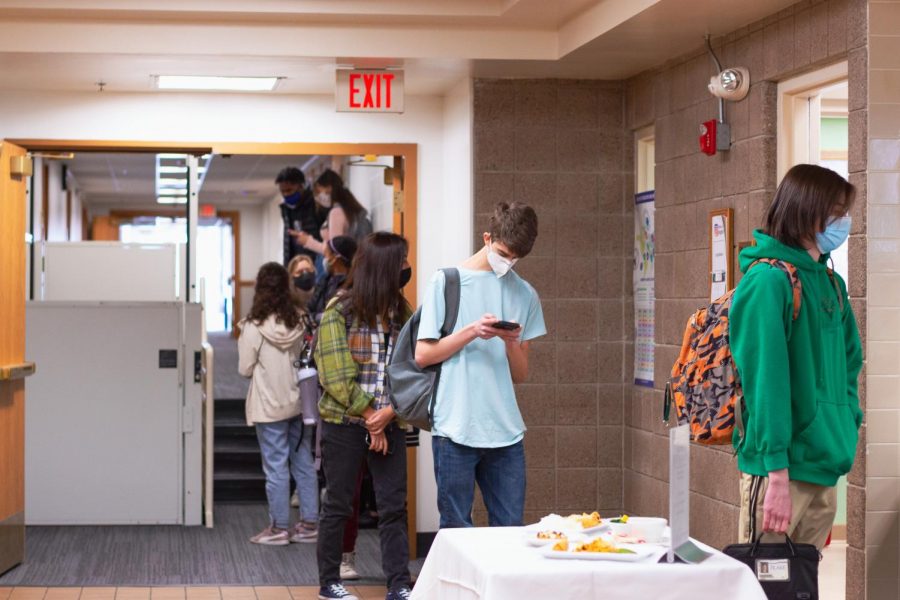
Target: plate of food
[
  {"x": 588, "y": 523},
  {"x": 579, "y": 523},
  {"x": 545, "y": 537},
  {"x": 596, "y": 549}
]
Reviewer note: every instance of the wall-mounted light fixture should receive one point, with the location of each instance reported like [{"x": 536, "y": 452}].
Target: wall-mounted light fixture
[{"x": 730, "y": 84}]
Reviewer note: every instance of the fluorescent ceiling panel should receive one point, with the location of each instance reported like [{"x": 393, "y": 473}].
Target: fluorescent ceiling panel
[{"x": 219, "y": 84}]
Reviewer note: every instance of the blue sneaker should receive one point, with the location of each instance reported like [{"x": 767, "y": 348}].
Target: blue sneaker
[
  {"x": 403, "y": 593},
  {"x": 336, "y": 591}
]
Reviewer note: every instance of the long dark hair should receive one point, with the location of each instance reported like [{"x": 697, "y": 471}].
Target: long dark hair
[
  {"x": 807, "y": 197},
  {"x": 373, "y": 289},
  {"x": 272, "y": 296},
  {"x": 341, "y": 195}
]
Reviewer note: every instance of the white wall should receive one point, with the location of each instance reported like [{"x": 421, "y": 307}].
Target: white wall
[
  {"x": 440, "y": 127},
  {"x": 367, "y": 184},
  {"x": 56, "y": 223},
  {"x": 451, "y": 222}
]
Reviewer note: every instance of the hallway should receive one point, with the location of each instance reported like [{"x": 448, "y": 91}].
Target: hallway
[{"x": 175, "y": 555}]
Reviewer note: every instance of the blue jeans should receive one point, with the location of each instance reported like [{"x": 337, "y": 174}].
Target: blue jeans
[
  {"x": 286, "y": 448},
  {"x": 499, "y": 472}
]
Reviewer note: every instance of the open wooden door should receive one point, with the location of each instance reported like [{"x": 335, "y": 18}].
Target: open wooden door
[{"x": 13, "y": 368}]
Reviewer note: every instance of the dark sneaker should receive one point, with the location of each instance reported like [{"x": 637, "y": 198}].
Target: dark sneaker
[
  {"x": 336, "y": 591},
  {"x": 403, "y": 593}
]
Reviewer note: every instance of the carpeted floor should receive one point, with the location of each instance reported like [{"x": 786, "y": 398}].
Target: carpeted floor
[{"x": 174, "y": 555}]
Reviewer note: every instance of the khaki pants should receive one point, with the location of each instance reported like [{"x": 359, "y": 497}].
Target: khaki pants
[{"x": 812, "y": 511}]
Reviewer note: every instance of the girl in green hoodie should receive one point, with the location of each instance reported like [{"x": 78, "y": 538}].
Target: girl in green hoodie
[{"x": 799, "y": 376}]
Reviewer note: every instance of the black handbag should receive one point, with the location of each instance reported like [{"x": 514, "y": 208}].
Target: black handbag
[{"x": 786, "y": 571}]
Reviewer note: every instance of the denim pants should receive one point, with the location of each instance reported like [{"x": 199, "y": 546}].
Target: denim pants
[
  {"x": 344, "y": 450},
  {"x": 286, "y": 448},
  {"x": 499, "y": 473}
]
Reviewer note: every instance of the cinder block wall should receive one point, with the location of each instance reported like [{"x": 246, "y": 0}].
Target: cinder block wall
[
  {"x": 561, "y": 146},
  {"x": 594, "y": 439},
  {"x": 689, "y": 184}
]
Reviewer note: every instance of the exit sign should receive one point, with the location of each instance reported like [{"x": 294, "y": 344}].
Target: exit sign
[{"x": 369, "y": 90}]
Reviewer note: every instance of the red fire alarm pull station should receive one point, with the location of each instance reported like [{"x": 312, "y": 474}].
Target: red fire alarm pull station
[
  {"x": 715, "y": 136},
  {"x": 708, "y": 137}
]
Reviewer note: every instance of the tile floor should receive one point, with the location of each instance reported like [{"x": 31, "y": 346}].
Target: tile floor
[
  {"x": 179, "y": 593},
  {"x": 831, "y": 587}
]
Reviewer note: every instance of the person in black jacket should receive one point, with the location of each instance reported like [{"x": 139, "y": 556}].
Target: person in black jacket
[
  {"x": 300, "y": 212},
  {"x": 339, "y": 253}
]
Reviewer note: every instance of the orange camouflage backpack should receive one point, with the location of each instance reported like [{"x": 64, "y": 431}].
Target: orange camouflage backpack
[{"x": 704, "y": 384}]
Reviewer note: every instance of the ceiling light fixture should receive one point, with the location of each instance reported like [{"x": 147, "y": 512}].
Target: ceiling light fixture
[{"x": 215, "y": 83}]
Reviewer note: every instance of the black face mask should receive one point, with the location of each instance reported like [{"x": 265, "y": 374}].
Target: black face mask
[
  {"x": 305, "y": 281},
  {"x": 405, "y": 276}
]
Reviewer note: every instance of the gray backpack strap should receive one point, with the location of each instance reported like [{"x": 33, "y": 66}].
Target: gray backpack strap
[{"x": 451, "y": 300}]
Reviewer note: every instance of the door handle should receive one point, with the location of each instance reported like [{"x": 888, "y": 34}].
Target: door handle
[{"x": 19, "y": 371}]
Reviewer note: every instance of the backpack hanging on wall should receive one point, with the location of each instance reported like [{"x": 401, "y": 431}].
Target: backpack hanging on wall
[{"x": 704, "y": 383}]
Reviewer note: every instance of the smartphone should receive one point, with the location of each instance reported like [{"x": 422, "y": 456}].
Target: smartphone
[{"x": 507, "y": 325}]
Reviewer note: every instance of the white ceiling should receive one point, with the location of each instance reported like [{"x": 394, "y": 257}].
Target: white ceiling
[
  {"x": 124, "y": 180},
  {"x": 69, "y": 45}
]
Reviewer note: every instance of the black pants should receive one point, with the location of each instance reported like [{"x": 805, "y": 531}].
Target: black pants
[{"x": 343, "y": 451}]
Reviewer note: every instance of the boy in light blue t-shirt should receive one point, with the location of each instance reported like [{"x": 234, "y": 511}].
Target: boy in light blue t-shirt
[{"x": 478, "y": 430}]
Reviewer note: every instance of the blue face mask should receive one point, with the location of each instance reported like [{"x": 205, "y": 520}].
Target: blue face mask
[
  {"x": 292, "y": 199},
  {"x": 836, "y": 233}
]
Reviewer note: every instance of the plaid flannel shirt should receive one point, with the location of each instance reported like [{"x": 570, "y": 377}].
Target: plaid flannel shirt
[{"x": 352, "y": 362}]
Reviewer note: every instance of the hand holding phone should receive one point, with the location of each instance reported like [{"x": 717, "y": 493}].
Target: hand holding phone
[{"x": 505, "y": 325}]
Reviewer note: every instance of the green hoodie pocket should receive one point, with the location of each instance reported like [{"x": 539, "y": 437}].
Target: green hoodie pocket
[{"x": 829, "y": 442}]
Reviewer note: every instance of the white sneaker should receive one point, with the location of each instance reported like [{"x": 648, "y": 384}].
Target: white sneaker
[
  {"x": 272, "y": 536},
  {"x": 295, "y": 500},
  {"x": 348, "y": 566}
]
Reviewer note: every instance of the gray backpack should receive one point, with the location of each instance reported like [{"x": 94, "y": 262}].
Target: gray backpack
[{"x": 413, "y": 390}]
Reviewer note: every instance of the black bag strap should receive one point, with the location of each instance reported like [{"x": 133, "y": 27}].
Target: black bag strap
[{"x": 451, "y": 300}]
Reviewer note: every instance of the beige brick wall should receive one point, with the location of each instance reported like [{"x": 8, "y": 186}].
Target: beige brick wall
[
  {"x": 690, "y": 184},
  {"x": 595, "y": 440},
  {"x": 560, "y": 146},
  {"x": 879, "y": 149}
]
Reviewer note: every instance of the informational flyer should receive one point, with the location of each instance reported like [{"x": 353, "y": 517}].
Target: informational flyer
[
  {"x": 644, "y": 288},
  {"x": 681, "y": 547},
  {"x": 719, "y": 258}
]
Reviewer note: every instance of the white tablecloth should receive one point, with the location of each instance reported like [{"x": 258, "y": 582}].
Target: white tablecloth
[{"x": 497, "y": 564}]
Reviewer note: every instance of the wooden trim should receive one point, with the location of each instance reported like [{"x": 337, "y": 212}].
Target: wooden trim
[
  {"x": 45, "y": 201},
  {"x": 411, "y": 469},
  {"x": 835, "y": 155},
  {"x": 728, "y": 213},
  {"x": 12, "y": 541},
  {"x": 407, "y": 220},
  {"x": 307, "y": 148},
  {"x": 33, "y": 145}
]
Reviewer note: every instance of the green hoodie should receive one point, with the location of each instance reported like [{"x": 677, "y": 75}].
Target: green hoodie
[{"x": 799, "y": 377}]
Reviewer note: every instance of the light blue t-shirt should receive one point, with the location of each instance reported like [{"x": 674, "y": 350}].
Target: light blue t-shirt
[{"x": 476, "y": 404}]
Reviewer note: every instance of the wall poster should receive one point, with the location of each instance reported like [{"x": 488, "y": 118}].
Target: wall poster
[
  {"x": 644, "y": 287},
  {"x": 721, "y": 255}
]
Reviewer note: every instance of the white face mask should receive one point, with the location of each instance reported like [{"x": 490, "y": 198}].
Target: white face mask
[
  {"x": 324, "y": 199},
  {"x": 501, "y": 266}
]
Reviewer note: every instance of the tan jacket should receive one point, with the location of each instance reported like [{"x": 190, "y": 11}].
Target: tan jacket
[{"x": 266, "y": 354}]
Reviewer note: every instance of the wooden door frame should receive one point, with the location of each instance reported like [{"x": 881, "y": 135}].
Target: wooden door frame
[
  {"x": 408, "y": 184},
  {"x": 409, "y": 152}
]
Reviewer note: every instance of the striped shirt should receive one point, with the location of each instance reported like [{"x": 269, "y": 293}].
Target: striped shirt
[{"x": 352, "y": 362}]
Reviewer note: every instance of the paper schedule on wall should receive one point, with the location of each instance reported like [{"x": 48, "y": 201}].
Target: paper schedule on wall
[
  {"x": 720, "y": 254},
  {"x": 644, "y": 287}
]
